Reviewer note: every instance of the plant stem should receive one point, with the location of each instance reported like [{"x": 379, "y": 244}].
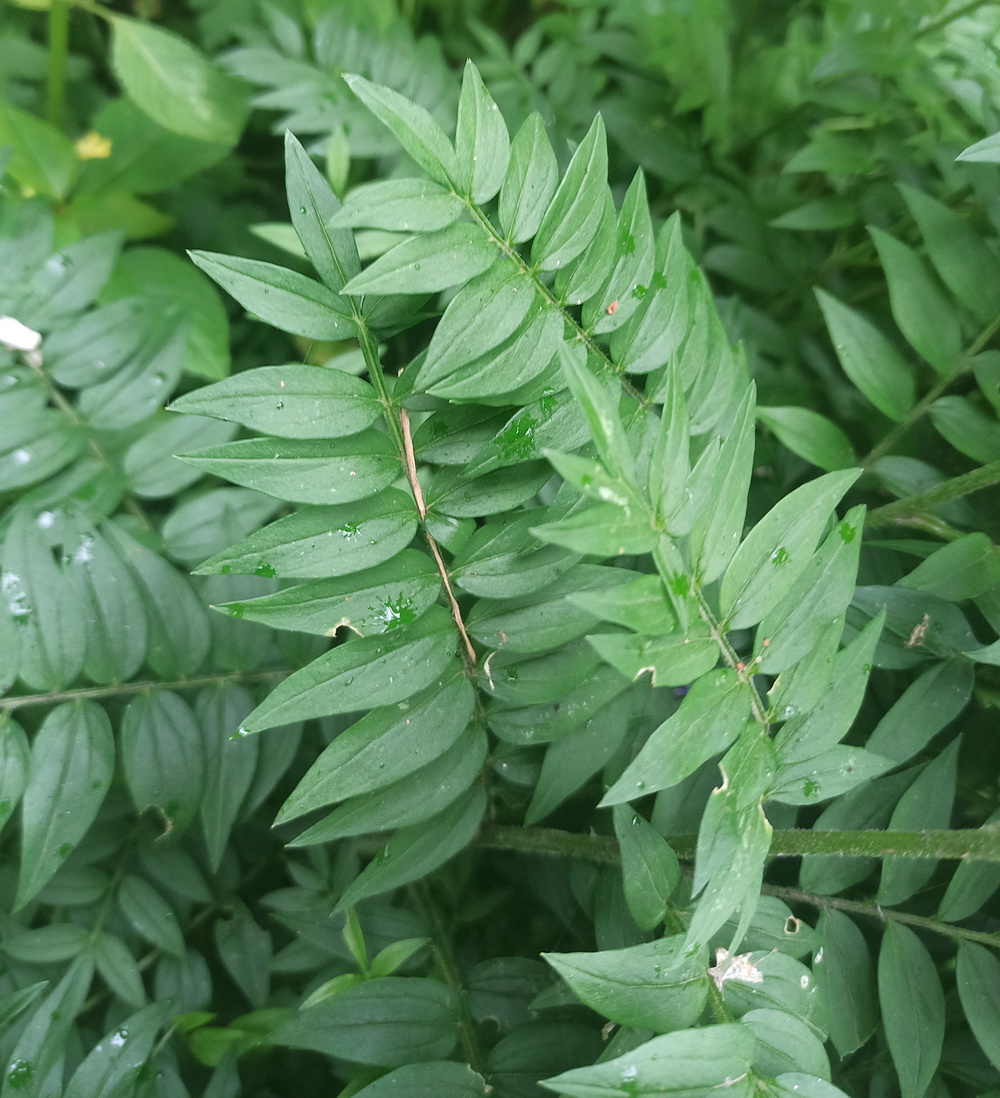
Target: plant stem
[
  {"x": 126, "y": 688},
  {"x": 922, "y": 406},
  {"x": 873, "y": 911},
  {"x": 955, "y": 488},
  {"x": 55, "y": 74},
  {"x": 979, "y": 844},
  {"x": 445, "y": 959},
  {"x": 944, "y": 20},
  {"x": 410, "y": 461},
  {"x": 603, "y": 850},
  {"x": 399, "y": 424}
]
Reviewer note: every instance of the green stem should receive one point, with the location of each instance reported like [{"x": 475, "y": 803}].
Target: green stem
[
  {"x": 127, "y": 688},
  {"x": 955, "y": 488},
  {"x": 951, "y": 17},
  {"x": 979, "y": 844},
  {"x": 920, "y": 409},
  {"x": 873, "y": 911},
  {"x": 949, "y": 844},
  {"x": 445, "y": 959},
  {"x": 55, "y": 74}
]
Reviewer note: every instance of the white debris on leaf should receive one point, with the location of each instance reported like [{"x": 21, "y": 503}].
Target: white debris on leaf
[
  {"x": 738, "y": 967},
  {"x": 16, "y": 336}
]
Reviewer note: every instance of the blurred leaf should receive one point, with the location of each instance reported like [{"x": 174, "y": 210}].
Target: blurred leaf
[
  {"x": 175, "y": 84},
  {"x": 387, "y": 1022},
  {"x": 978, "y": 979},
  {"x": 810, "y": 435},
  {"x": 414, "y": 852},
  {"x": 868, "y": 359},
  {"x": 72, "y": 761},
  {"x": 711, "y": 716}
]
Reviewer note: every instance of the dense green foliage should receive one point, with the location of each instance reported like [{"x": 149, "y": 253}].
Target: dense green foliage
[{"x": 563, "y": 658}]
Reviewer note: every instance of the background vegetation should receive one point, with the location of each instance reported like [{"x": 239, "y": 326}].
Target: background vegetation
[{"x": 567, "y": 649}]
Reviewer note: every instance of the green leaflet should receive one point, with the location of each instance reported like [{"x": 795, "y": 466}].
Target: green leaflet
[
  {"x": 570, "y": 761},
  {"x": 385, "y": 746},
  {"x": 412, "y": 126},
  {"x": 313, "y": 206},
  {"x": 926, "y": 706},
  {"x": 15, "y": 754},
  {"x": 502, "y": 559},
  {"x": 604, "y": 530},
  {"x": 280, "y": 296},
  {"x": 113, "y": 1062},
  {"x": 178, "y": 634},
  {"x": 965, "y": 568},
  {"x": 778, "y": 549},
  {"x": 711, "y": 716},
  {"x": 924, "y": 314},
  {"x": 912, "y": 1008},
  {"x": 670, "y": 659},
  {"x": 413, "y": 852},
  {"x": 400, "y": 205},
  {"x": 306, "y": 470},
  {"x": 819, "y": 597},
  {"x": 868, "y": 358},
  {"x": 650, "y": 872},
  {"x": 545, "y": 618},
  {"x": 978, "y": 977},
  {"x": 722, "y": 503},
  {"x": 437, "y": 1079},
  {"x": 69, "y": 772},
  {"x": 826, "y": 723},
  {"x": 530, "y": 182},
  {"x": 655, "y": 986},
  {"x": 967, "y": 427},
  {"x": 810, "y": 435},
  {"x": 959, "y": 254},
  {"x": 150, "y": 915},
  {"x": 484, "y": 313},
  {"x": 163, "y": 756},
  {"x": 785, "y": 1043},
  {"x": 482, "y": 144},
  {"x": 149, "y": 463},
  {"x": 690, "y": 1062},
  {"x": 545, "y": 722},
  {"x": 575, "y": 210},
  {"x": 42, "y": 156},
  {"x": 111, "y": 602},
  {"x": 230, "y": 763},
  {"x": 289, "y": 401},
  {"x": 620, "y": 297},
  {"x": 411, "y": 800},
  {"x": 846, "y": 976},
  {"x": 387, "y": 1022},
  {"x": 451, "y": 493},
  {"x": 372, "y": 601},
  {"x": 324, "y": 541},
  {"x": 504, "y": 371},
  {"x": 389, "y": 667},
  {"x": 44, "y": 605},
  {"x": 428, "y": 262}
]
